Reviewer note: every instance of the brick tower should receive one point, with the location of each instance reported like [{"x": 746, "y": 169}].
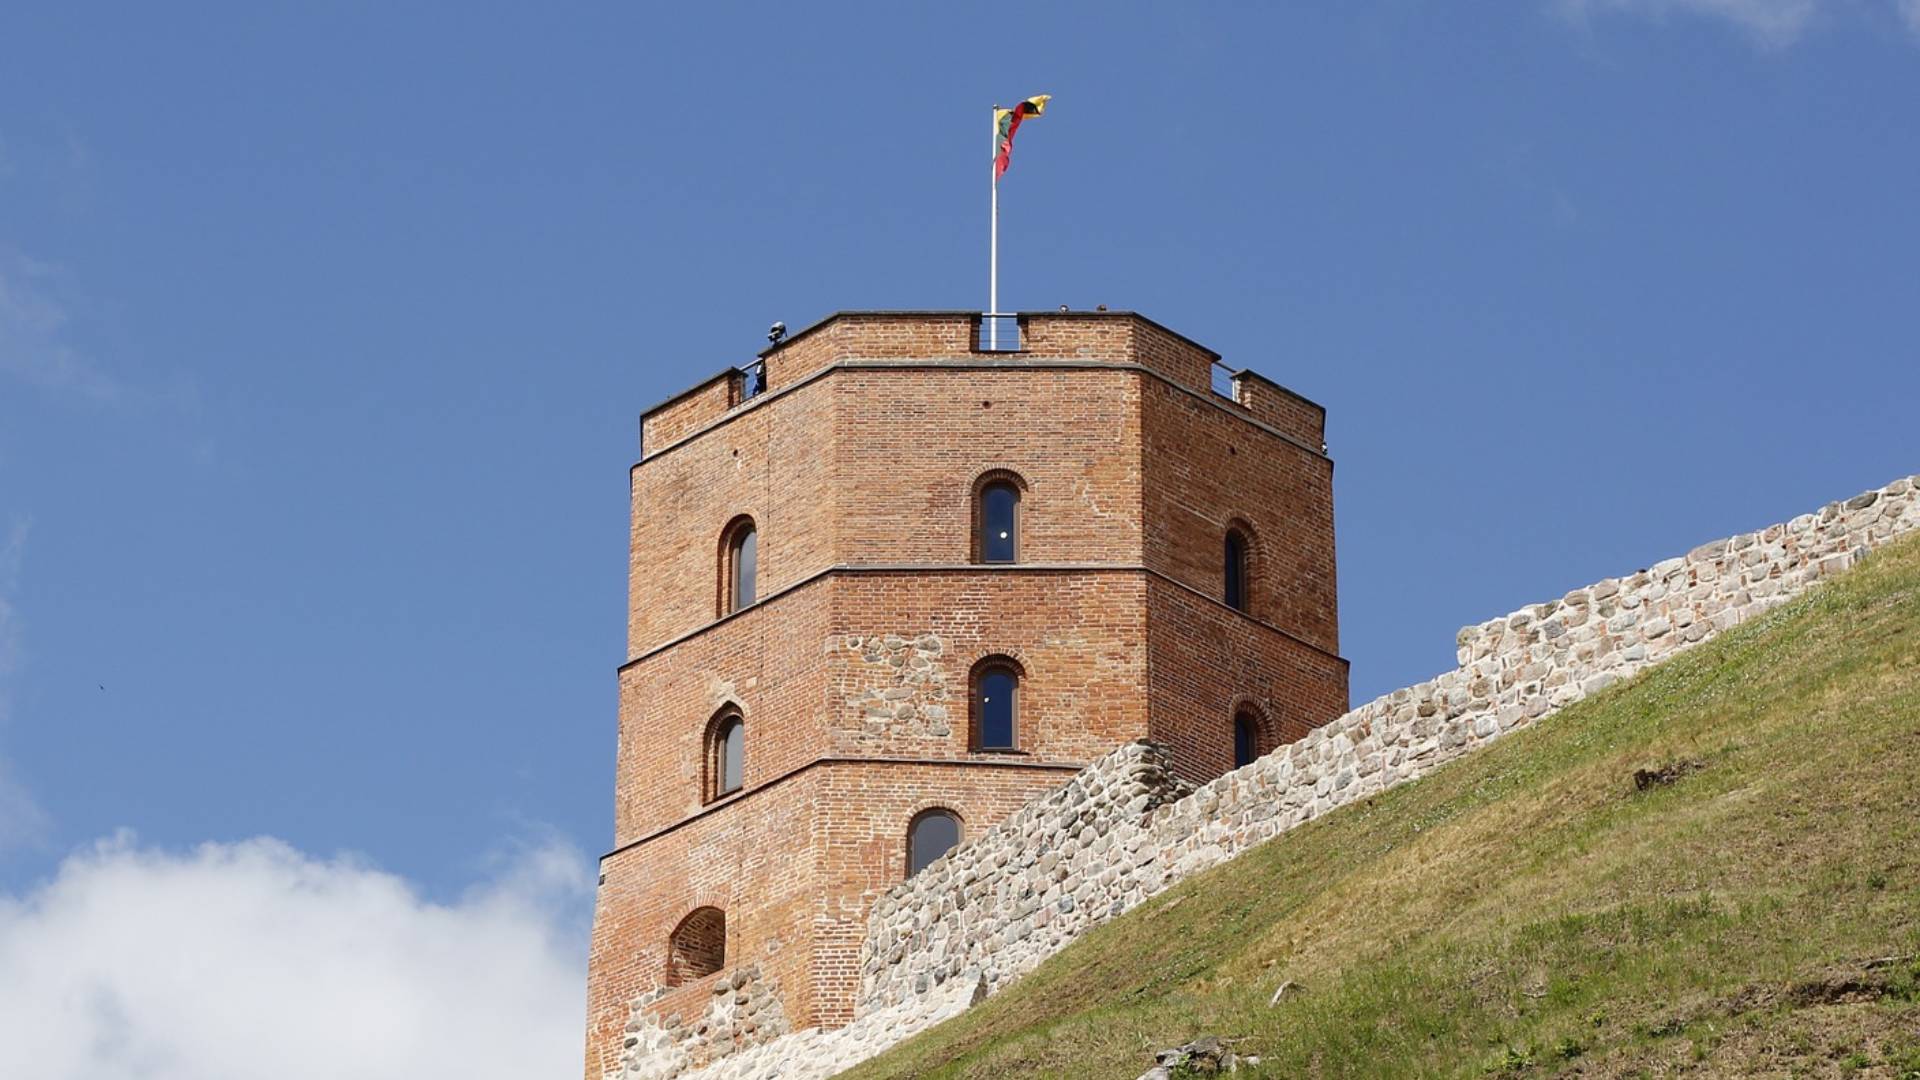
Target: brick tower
[{"x": 886, "y": 586}]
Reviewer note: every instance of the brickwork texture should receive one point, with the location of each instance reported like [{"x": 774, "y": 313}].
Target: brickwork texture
[{"x": 858, "y": 467}]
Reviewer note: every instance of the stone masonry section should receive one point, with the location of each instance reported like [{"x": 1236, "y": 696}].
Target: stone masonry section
[
  {"x": 851, "y": 674},
  {"x": 1128, "y": 827}
]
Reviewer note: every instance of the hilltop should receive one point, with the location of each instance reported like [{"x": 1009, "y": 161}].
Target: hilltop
[{"x": 1712, "y": 869}]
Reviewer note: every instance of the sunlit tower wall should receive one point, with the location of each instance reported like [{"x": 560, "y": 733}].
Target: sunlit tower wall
[{"x": 886, "y": 585}]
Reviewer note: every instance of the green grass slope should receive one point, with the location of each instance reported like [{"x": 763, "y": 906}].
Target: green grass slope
[{"x": 1528, "y": 911}]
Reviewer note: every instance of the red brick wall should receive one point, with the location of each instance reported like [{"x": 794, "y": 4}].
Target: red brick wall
[
  {"x": 680, "y": 417},
  {"x": 1280, "y": 408},
  {"x": 908, "y": 447},
  {"x": 1118, "y": 337},
  {"x": 755, "y": 866},
  {"x": 852, "y": 673},
  {"x": 773, "y": 464},
  {"x": 1205, "y": 468},
  {"x": 795, "y": 867},
  {"x": 1204, "y": 660},
  {"x": 805, "y": 691},
  {"x": 865, "y": 813}
]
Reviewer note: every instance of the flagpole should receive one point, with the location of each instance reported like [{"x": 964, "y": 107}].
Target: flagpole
[{"x": 993, "y": 242}]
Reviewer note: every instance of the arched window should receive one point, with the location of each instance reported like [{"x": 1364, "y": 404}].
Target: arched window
[
  {"x": 996, "y": 705},
  {"x": 698, "y": 946},
  {"x": 996, "y": 517},
  {"x": 1237, "y": 577},
  {"x": 931, "y": 835},
  {"x": 726, "y": 754},
  {"x": 739, "y": 565},
  {"x": 1246, "y": 738}
]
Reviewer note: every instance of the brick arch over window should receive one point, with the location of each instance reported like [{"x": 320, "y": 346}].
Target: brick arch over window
[
  {"x": 1251, "y": 730},
  {"x": 698, "y": 946},
  {"x": 1241, "y": 578},
  {"x": 724, "y": 750},
  {"x": 739, "y": 563},
  {"x": 932, "y": 833},
  {"x": 994, "y": 720},
  {"x": 997, "y": 498}
]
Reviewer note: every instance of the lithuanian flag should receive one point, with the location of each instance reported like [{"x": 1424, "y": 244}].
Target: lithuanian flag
[{"x": 1006, "y": 122}]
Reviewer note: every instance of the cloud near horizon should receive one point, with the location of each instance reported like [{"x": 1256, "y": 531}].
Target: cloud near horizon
[
  {"x": 1773, "y": 24},
  {"x": 235, "y": 961}
]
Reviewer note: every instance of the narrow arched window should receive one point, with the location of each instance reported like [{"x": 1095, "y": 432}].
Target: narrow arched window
[
  {"x": 931, "y": 835},
  {"x": 698, "y": 946},
  {"x": 996, "y": 706},
  {"x": 728, "y": 755},
  {"x": 739, "y": 565},
  {"x": 1246, "y": 738},
  {"x": 997, "y": 518},
  {"x": 1236, "y": 570}
]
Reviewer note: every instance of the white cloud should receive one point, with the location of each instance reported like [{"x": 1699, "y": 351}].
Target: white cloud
[
  {"x": 237, "y": 961},
  {"x": 1773, "y": 23},
  {"x": 1910, "y": 11},
  {"x": 33, "y": 345}
]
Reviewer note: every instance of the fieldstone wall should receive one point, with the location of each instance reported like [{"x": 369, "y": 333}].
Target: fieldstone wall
[
  {"x": 742, "y": 1012},
  {"x": 814, "y": 1054},
  {"x": 996, "y": 907},
  {"x": 898, "y": 686}
]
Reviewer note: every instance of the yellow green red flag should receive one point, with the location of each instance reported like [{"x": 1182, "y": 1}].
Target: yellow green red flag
[{"x": 1006, "y": 122}]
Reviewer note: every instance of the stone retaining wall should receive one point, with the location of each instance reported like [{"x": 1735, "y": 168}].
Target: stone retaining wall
[
  {"x": 814, "y": 1054},
  {"x": 996, "y": 907},
  {"x": 740, "y": 1011}
]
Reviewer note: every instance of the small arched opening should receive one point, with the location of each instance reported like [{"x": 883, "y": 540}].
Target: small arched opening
[
  {"x": 698, "y": 946},
  {"x": 1247, "y": 743},
  {"x": 739, "y": 565},
  {"x": 1238, "y": 569},
  {"x": 996, "y": 517},
  {"x": 931, "y": 834},
  {"x": 726, "y": 753},
  {"x": 995, "y": 705}
]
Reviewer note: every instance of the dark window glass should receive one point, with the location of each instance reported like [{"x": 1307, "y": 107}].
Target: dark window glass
[
  {"x": 995, "y": 695},
  {"x": 1236, "y": 569},
  {"x": 932, "y": 835},
  {"x": 731, "y": 755},
  {"x": 746, "y": 564},
  {"x": 1246, "y": 740},
  {"x": 999, "y": 526}
]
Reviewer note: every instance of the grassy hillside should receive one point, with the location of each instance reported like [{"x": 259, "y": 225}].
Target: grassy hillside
[{"x": 1529, "y": 911}]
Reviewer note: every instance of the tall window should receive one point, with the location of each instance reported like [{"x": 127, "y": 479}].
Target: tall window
[
  {"x": 931, "y": 835},
  {"x": 1236, "y": 570},
  {"x": 996, "y": 706},
  {"x": 997, "y": 519},
  {"x": 698, "y": 946},
  {"x": 740, "y": 565},
  {"x": 727, "y": 754},
  {"x": 1246, "y": 738}
]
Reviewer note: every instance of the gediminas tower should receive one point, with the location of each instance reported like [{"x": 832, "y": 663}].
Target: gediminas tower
[{"x": 887, "y": 585}]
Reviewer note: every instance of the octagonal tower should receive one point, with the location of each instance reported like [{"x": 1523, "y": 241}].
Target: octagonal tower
[{"x": 886, "y": 586}]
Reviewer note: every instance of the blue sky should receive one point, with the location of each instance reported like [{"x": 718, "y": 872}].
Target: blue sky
[{"x": 323, "y": 334}]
